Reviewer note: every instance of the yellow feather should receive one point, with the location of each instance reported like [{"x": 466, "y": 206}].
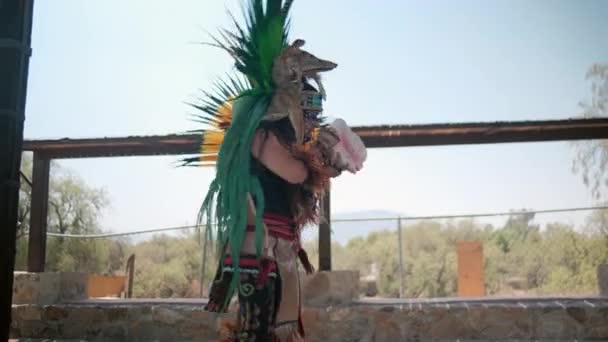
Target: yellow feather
[
  {"x": 213, "y": 137},
  {"x": 209, "y": 158},
  {"x": 210, "y": 145},
  {"x": 225, "y": 114}
]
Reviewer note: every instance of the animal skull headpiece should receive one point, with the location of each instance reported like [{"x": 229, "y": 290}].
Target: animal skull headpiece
[{"x": 291, "y": 69}]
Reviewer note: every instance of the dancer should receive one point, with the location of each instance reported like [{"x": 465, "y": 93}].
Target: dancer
[{"x": 274, "y": 156}]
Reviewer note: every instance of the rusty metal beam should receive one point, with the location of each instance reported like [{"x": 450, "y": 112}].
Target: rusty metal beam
[
  {"x": 38, "y": 216},
  {"x": 483, "y": 133},
  {"x": 373, "y": 137},
  {"x": 116, "y": 147}
]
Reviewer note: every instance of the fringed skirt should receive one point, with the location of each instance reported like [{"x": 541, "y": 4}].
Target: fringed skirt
[{"x": 269, "y": 290}]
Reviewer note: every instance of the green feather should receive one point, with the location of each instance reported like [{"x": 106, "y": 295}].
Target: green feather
[
  {"x": 256, "y": 43},
  {"x": 226, "y": 200}
]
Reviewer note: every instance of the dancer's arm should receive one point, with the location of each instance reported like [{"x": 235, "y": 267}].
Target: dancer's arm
[{"x": 277, "y": 158}]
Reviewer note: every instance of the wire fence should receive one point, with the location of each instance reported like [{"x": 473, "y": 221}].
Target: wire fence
[
  {"x": 401, "y": 255},
  {"x": 371, "y": 219}
]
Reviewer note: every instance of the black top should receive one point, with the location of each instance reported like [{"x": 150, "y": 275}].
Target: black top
[{"x": 277, "y": 191}]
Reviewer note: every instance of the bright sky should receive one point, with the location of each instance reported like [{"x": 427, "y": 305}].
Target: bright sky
[{"x": 116, "y": 68}]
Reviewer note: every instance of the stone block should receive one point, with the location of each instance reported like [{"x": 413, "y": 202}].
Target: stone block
[
  {"x": 25, "y": 287},
  {"x": 35, "y": 288},
  {"x": 446, "y": 323},
  {"x": 88, "y": 315},
  {"x": 48, "y": 287},
  {"x": 117, "y": 313},
  {"x": 73, "y": 286},
  {"x": 167, "y": 315},
  {"x": 55, "y": 313},
  {"x": 386, "y": 327},
  {"x": 26, "y": 312},
  {"x": 596, "y": 324},
  {"x": 330, "y": 288},
  {"x": 497, "y": 322},
  {"x": 369, "y": 288},
  {"x": 556, "y": 323}
]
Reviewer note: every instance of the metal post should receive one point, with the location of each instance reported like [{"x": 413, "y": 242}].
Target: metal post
[
  {"x": 131, "y": 272},
  {"x": 325, "y": 234},
  {"x": 401, "y": 284},
  {"x": 38, "y": 216},
  {"x": 205, "y": 238},
  {"x": 15, "y": 51}
]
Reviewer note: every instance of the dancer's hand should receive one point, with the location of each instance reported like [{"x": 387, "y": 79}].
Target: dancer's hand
[
  {"x": 323, "y": 147},
  {"x": 350, "y": 152}
]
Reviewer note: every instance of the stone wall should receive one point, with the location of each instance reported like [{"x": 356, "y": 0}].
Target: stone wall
[
  {"x": 54, "y": 306},
  {"x": 534, "y": 319}
]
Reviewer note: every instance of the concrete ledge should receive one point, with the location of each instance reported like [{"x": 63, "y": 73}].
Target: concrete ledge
[
  {"x": 416, "y": 320},
  {"x": 49, "y": 287}
]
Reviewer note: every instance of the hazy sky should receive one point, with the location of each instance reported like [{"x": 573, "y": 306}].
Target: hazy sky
[{"x": 116, "y": 68}]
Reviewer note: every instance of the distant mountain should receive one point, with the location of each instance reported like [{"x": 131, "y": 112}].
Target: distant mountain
[{"x": 344, "y": 231}]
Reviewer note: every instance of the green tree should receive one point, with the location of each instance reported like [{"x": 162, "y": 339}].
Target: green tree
[
  {"x": 515, "y": 231},
  {"x": 597, "y": 224},
  {"x": 168, "y": 266},
  {"x": 74, "y": 208},
  {"x": 519, "y": 257},
  {"x": 592, "y": 156},
  {"x": 572, "y": 260}
]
